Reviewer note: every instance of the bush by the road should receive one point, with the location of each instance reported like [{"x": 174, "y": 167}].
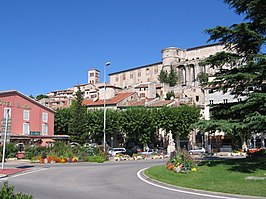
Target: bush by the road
[{"x": 7, "y": 192}]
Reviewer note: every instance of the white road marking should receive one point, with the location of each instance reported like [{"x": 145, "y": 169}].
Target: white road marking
[
  {"x": 180, "y": 191},
  {"x": 21, "y": 174}
]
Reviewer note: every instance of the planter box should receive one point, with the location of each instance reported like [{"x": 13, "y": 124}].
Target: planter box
[{"x": 20, "y": 155}]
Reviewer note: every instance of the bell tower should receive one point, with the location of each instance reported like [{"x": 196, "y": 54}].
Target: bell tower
[{"x": 93, "y": 76}]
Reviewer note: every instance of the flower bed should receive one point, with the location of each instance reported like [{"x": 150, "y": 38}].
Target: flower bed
[
  {"x": 54, "y": 159},
  {"x": 181, "y": 162}
]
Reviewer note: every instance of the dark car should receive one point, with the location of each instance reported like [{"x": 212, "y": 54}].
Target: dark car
[
  {"x": 136, "y": 149},
  {"x": 128, "y": 152}
]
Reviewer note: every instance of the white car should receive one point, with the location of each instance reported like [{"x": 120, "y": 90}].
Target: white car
[
  {"x": 115, "y": 151},
  {"x": 197, "y": 150},
  {"x": 147, "y": 152}
]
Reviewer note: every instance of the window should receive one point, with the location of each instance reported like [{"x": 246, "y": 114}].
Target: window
[
  {"x": 91, "y": 74},
  {"x": 142, "y": 95},
  {"x": 197, "y": 98},
  {"x": 139, "y": 73},
  {"x": 7, "y": 112},
  {"x": 147, "y": 71},
  {"x": 45, "y": 117},
  {"x": 44, "y": 129},
  {"x": 211, "y": 101},
  {"x": 156, "y": 71},
  {"x": 225, "y": 101},
  {"x": 124, "y": 76},
  {"x": 131, "y": 75},
  {"x": 26, "y": 115},
  {"x": 26, "y": 128}
]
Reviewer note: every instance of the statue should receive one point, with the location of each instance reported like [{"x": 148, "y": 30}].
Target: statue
[
  {"x": 170, "y": 139},
  {"x": 171, "y": 143}
]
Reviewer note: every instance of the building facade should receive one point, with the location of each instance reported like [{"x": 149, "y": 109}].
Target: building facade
[{"x": 28, "y": 119}]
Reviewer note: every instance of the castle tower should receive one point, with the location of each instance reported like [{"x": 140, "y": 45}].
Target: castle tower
[
  {"x": 171, "y": 56},
  {"x": 93, "y": 76}
]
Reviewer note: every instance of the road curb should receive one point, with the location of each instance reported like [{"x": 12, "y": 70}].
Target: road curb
[{"x": 3, "y": 176}]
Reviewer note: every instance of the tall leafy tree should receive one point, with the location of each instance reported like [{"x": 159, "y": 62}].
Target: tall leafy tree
[
  {"x": 172, "y": 77},
  {"x": 137, "y": 124},
  {"x": 61, "y": 121},
  {"x": 113, "y": 125},
  {"x": 241, "y": 69},
  {"x": 178, "y": 120},
  {"x": 163, "y": 76}
]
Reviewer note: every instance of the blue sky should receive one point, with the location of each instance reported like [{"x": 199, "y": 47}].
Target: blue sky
[{"x": 48, "y": 45}]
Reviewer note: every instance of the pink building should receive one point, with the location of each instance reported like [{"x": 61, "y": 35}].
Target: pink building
[{"x": 30, "y": 121}]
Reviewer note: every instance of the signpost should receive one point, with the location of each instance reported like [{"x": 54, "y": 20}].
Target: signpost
[{"x": 5, "y": 134}]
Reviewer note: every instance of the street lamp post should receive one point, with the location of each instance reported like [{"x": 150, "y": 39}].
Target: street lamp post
[{"x": 104, "y": 107}]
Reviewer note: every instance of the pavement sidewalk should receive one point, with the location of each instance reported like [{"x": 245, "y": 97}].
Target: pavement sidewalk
[{"x": 12, "y": 167}]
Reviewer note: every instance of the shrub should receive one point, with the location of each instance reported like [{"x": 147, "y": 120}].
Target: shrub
[
  {"x": 11, "y": 150},
  {"x": 7, "y": 192},
  {"x": 98, "y": 159},
  {"x": 31, "y": 152}
]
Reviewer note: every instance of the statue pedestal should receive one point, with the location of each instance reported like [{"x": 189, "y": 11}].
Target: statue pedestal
[{"x": 170, "y": 149}]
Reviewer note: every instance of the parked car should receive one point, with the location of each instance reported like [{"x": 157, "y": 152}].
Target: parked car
[
  {"x": 74, "y": 144},
  {"x": 136, "y": 149},
  {"x": 128, "y": 152},
  {"x": 115, "y": 151},
  {"x": 197, "y": 150},
  {"x": 147, "y": 152}
]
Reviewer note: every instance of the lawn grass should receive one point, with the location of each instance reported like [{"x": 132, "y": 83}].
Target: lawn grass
[{"x": 226, "y": 176}]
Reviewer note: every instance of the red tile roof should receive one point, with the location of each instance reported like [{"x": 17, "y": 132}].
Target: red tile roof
[
  {"x": 118, "y": 98},
  {"x": 137, "y": 103}
]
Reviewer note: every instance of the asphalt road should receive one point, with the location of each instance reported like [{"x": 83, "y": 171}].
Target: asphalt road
[{"x": 110, "y": 180}]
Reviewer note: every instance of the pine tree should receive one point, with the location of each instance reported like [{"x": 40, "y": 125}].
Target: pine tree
[
  {"x": 78, "y": 126},
  {"x": 245, "y": 63}
]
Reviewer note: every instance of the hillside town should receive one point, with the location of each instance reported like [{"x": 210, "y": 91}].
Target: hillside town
[
  {"x": 135, "y": 87},
  {"x": 189, "y": 126}
]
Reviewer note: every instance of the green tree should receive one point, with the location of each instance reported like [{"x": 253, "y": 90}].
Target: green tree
[
  {"x": 203, "y": 78},
  {"x": 169, "y": 95},
  {"x": 113, "y": 126},
  {"x": 163, "y": 76},
  {"x": 62, "y": 120},
  {"x": 39, "y": 97},
  {"x": 244, "y": 74},
  {"x": 178, "y": 120},
  {"x": 137, "y": 124},
  {"x": 78, "y": 122},
  {"x": 172, "y": 78}
]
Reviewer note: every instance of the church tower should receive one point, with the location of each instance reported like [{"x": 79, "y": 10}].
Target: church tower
[{"x": 93, "y": 76}]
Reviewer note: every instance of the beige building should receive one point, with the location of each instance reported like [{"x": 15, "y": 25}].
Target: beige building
[{"x": 144, "y": 79}]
